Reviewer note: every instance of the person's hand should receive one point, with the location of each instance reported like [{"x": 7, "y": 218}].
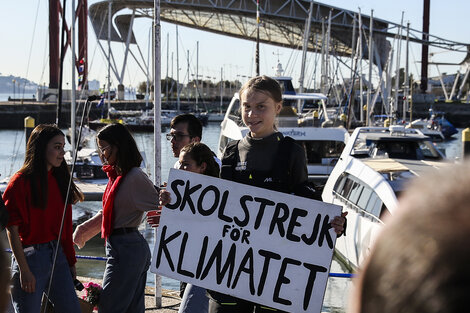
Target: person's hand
[
  {"x": 338, "y": 223},
  {"x": 28, "y": 281},
  {"x": 73, "y": 271},
  {"x": 153, "y": 217},
  {"x": 164, "y": 197}
]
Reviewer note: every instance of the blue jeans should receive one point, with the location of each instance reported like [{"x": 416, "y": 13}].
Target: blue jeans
[
  {"x": 62, "y": 292},
  {"x": 125, "y": 274},
  {"x": 194, "y": 300}
]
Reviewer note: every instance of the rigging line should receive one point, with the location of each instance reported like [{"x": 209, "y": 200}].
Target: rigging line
[
  {"x": 16, "y": 146},
  {"x": 65, "y": 207},
  {"x": 31, "y": 47},
  {"x": 253, "y": 44},
  {"x": 415, "y": 63},
  {"x": 90, "y": 65}
]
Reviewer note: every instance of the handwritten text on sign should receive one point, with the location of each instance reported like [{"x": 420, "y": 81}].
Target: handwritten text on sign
[{"x": 264, "y": 246}]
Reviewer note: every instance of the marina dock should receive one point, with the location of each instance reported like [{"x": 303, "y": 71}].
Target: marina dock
[{"x": 92, "y": 192}]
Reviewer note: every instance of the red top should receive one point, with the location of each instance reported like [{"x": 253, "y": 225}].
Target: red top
[{"x": 34, "y": 224}]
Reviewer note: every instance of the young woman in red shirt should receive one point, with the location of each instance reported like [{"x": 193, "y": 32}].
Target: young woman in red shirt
[{"x": 35, "y": 200}]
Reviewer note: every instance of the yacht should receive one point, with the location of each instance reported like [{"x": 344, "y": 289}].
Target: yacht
[
  {"x": 322, "y": 144},
  {"x": 370, "y": 174},
  {"x": 427, "y": 128}
]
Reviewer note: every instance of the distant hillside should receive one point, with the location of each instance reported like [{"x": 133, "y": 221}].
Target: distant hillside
[{"x": 6, "y": 85}]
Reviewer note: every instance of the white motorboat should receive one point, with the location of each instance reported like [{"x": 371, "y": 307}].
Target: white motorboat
[
  {"x": 427, "y": 128},
  {"x": 323, "y": 145},
  {"x": 373, "y": 169}
]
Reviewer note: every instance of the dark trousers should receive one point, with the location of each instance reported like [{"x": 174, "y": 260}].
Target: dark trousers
[{"x": 125, "y": 274}]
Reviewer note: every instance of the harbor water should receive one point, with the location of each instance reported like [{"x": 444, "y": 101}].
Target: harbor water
[{"x": 11, "y": 159}]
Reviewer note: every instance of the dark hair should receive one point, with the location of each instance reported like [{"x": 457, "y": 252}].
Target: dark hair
[
  {"x": 263, "y": 84},
  {"x": 420, "y": 261},
  {"x": 200, "y": 153},
  {"x": 128, "y": 155},
  {"x": 35, "y": 167},
  {"x": 194, "y": 124}
]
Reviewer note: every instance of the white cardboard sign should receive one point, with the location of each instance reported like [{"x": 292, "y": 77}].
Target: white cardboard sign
[{"x": 267, "y": 247}]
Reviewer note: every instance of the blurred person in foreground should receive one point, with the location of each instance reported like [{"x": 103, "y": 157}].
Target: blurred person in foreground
[{"x": 420, "y": 262}]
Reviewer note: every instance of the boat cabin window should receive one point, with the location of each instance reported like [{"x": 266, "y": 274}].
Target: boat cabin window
[
  {"x": 374, "y": 205},
  {"x": 409, "y": 150},
  {"x": 429, "y": 151},
  {"x": 322, "y": 152},
  {"x": 366, "y": 194},
  {"x": 356, "y": 193}
]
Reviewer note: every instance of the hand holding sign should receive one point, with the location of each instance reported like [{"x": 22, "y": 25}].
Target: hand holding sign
[{"x": 252, "y": 243}]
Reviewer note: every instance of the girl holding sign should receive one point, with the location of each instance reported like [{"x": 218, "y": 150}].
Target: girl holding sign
[
  {"x": 195, "y": 157},
  {"x": 266, "y": 159},
  {"x": 128, "y": 195}
]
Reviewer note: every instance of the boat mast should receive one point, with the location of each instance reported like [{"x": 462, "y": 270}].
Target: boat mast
[
  {"x": 157, "y": 103},
  {"x": 304, "y": 54},
  {"x": 406, "y": 83},
  {"x": 397, "y": 69},
  {"x": 361, "y": 82},
  {"x": 221, "y": 88},
  {"x": 72, "y": 99},
  {"x": 197, "y": 73},
  {"x": 177, "y": 73},
  {"x": 371, "y": 63},
  {"x": 425, "y": 46},
  {"x": 61, "y": 68},
  {"x": 167, "y": 65}
]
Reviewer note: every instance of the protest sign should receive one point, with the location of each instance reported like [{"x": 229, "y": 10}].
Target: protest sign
[{"x": 264, "y": 246}]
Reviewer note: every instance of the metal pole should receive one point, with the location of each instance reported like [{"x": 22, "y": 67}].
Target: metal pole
[
  {"x": 197, "y": 72},
  {"x": 257, "y": 38},
  {"x": 167, "y": 65},
  {"x": 157, "y": 125},
  {"x": 371, "y": 63},
  {"x": 177, "y": 73},
  {"x": 72, "y": 99},
  {"x": 425, "y": 46},
  {"x": 221, "y": 87},
  {"x": 63, "y": 48},
  {"x": 147, "y": 85},
  {"x": 397, "y": 70},
  {"x": 361, "y": 82},
  {"x": 322, "y": 60},
  {"x": 187, "y": 73},
  {"x": 109, "y": 56},
  {"x": 406, "y": 86},
  {"x": 304, "y": 54}
]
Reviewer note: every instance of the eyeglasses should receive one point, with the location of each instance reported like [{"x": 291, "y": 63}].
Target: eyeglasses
[
  {"x": 175, "y": 136},
  {"x": 102, "y": 150}
]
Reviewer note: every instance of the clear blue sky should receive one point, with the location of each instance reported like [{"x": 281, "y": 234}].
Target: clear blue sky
[{"x": 21, "y": 19}]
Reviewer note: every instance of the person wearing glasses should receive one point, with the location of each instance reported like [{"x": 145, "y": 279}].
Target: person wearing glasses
[
  {"x": 185, "y": 129},
  {"x": 128, "y": 195}
]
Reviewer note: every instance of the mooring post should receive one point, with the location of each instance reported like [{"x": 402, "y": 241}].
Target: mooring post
[
  {"x": 466, "y": 143},
  {"x": 29, "y": 124}
]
